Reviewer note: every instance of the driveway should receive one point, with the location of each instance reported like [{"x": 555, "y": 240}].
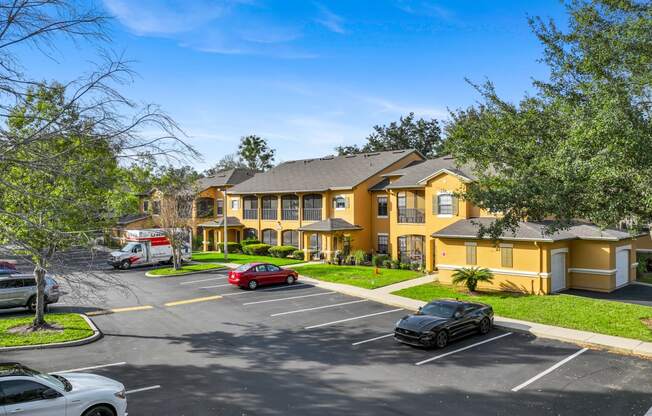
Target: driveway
[{"x": 634, "y": 293}]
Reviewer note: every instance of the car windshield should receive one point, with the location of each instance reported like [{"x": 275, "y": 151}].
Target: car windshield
[
  {"x": 444, "y": 310},
  {"x": 243, "y": 268},
  {"x": 58, "y": 381},
  {"x": 128, "y": 247}
]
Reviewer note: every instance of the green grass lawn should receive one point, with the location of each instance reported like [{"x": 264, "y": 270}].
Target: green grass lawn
[
  {"x": 604, "y": 317},
  {"x": 216, "y": 257},
  {"x": 645, "y": 278},
  {"x": 190, "y": 268},
  {"x": 361, "y": 276},
  {"x": 74, "y": 328}
]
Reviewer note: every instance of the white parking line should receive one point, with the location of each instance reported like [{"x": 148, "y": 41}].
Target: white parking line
[
  {"x": 373, "y": 339},
  {"x": 214, "y": 286},
  {"x": 319, "y": 307},
  {"x": 462, "y": 349},
  {"x": 550, "y": 370},
  {"x": 143, "y": 389},
  {"x": 291, "y": 297},
  {"x": 649, "y": 412},
  {"x": 202, "y": 280},
  {"x": 352, "y": 319},
  {"x": 95, "y": 367}
]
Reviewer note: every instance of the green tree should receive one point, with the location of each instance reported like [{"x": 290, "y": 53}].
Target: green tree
[
  {"x": 230, "y": 161},
  {"x": 133, "y": 180},
  {"x": 471, "y": 276},
  {"x": 409, "y": 133},
  {"x": 255, "y": 152},
  {"x": 581, "y": 147},
  {"x": 59, "y": 198}
]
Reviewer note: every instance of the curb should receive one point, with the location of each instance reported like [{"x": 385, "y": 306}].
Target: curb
[
  {"x": 611, "y": 343},
  {"x": 148, "y": 274},
  {"x": 97, "y": 334}
]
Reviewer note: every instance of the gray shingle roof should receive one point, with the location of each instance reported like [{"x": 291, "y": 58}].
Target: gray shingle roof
[
  {"x": 128, "y": 219},
  {"x": 332, "y": 172},
  {"x": 532, "y": 231},
  {"x": 330, "y": 224},
  {"x": 414, "y": 175},
  {"x": 226, "y": 178},
  {"x": 230, "y": 222}
]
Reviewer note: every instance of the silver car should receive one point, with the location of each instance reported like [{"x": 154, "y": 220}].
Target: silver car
[{"x": 19, "y": 290}]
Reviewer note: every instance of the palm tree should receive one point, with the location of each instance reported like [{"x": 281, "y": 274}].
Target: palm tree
[{"x": 470, "y": 276}]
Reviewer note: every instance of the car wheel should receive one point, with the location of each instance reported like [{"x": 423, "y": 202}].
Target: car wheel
[
  {"x": 99, "y": 411},
  {"x": 485, "y": 326},
  {"x": 441, "y": 339},
  {"x": 31, "y": 304},
  {"x": 125, "y": 264},
  {"x": 252, "y": 285},
  {"x": 289, "y": 280}
]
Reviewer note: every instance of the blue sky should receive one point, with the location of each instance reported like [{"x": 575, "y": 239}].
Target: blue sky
[{"x": 311, "y": 75}]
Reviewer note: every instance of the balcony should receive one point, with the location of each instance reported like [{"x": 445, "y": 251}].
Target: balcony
[
  {"x": 411, "y": 215},
  {"x": 269, "y": 214},
  {"x": 250, "y": 214},
  {"x": 290, "y": 214},
  {"x": 312, "y": 214}
]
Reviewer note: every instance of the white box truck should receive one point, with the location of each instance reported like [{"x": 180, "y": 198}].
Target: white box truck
[{"x": 148, "y": 247}]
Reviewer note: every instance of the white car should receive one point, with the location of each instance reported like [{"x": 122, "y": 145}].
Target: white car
[{"x": 24, "y": 391}]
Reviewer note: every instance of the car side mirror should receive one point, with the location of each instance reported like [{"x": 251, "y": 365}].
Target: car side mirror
[{"x": 50, "y": 394}]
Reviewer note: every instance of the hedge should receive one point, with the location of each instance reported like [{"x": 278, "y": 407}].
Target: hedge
[
  {"x": 250, "y": 242},
  {"x": 298, "y": 254},
  {"x": 257, "y": 249},
  {"x": 281, "y": 251},
  {"x": 232, "y": 247}
]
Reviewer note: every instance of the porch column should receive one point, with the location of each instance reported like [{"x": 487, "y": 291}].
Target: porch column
[
  {"x": 328, "y": 246},
  {"x": 216, "y": 239},
  {"x": 306, "y": 245},
  {"x": 205, "y": 241}
]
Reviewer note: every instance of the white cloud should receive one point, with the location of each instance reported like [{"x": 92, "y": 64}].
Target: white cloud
[{"x": 330, "y": 20}]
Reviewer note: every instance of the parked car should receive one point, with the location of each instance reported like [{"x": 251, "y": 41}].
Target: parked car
[
  {"x": 19, "y": 290},
  {"x": 252, "y": 275},
  {"x": 441, "y": 321},
  {"x": 29, "y": 392}
]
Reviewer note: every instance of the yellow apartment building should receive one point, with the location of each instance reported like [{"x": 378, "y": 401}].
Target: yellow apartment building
[{"x": 400, "y": 204}]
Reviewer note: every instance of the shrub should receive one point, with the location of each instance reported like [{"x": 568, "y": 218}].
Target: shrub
[
  {"x": 232, "y": 247},
  {"x": 387, "y": 264},
  {"x": 359, "y": 257},
  {"x": 257, "y": 249},
  {"x": 298, "y": 254},
  {"x": 471, "y": 276},
  {"x": 350, "y": 260},
  {"x": 249, "y": 242},
  {"x": 379, "y": 260},
  {"x": 404, "y": 266},
  {"x": 396, "y": 264},
  {"x": 281, "y": 251},
  {"x": 415, "y": 266}
]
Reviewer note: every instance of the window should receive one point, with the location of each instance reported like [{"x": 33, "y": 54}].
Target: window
[
  {"x": 445, "y": 204},
  {"x": 272, "y": 268},
  {"x": 261, "y": 268},
  {"x": 250, "y": 234},
  {"x": 339, "y": 202},
  {"x": 250, "y": 208},
  {"x": 270, "y": 207},
  {"x": 235, "y": 204},
  {"x": 10, "y": 284},
  {"x": 156, "y": 207},
  {"x": 290, "y": 238},
  {"x": 269, "y": 237},
  {"x": 21, "y": 391},
  {"x": 205, "y": 207},
  {"x": 471, "y": 253},
  {"x": 382, "y": 206},
  {"x": 402, "y": 200},
  {"x": 145, "y": 206},
  {"x": 383, "y": 241},
  {"x": 506, "y": 256},
  {"x": 410, "y": 249},
  {"x": 312, "y": 207},
  {"x": 290, "y": 207},
  {"x": 315, "y": 242},
  {"x": 220, "y": 207}
]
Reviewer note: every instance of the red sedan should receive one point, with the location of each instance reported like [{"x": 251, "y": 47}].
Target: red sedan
[{"x": 252, "y": 275}]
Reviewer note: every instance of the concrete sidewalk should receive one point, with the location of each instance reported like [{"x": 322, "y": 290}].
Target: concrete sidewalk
[{"x": 583, "y": 338}]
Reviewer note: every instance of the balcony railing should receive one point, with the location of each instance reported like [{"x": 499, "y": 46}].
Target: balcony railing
[
  {"x": 269, "y": 214},
  {"x": 250, "y": 214},
  {"x": 312, "y": 214},
  {"x": 411, "y": 215},
  {"x": 290, "y": 214}
]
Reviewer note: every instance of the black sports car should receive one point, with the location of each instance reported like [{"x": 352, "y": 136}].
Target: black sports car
[{"x": 440, "y": 321}]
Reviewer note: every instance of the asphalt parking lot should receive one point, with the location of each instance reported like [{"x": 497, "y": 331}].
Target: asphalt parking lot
[{"x": 194, "y": 345}]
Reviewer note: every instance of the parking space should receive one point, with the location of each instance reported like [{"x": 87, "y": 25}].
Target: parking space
[{"x": 304, "y": 350}]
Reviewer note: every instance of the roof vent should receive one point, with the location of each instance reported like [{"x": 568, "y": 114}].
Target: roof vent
[
  {"x": 371, "y": 154},
  {"x": 329, "y": 157},
  {"x": 350, "y": 156},
  {"x": 308, "y": 161},
  {"x": 398, "y": 151}
]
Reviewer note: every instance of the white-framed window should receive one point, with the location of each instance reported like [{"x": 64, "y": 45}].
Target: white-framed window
[
  {"x": 471, "y": 253},
  {"x": 235, "y": 204},
  {"x": 382, "y": 207},
  {"x": 444, "y": 204},
  {"x": 339, "y": 202},
  {"x": 506, "y": 255}
]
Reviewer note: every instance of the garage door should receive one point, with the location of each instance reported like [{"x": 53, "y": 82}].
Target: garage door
[
  {"x": 558, "y": 272},
  {"x": 622, "y": 267}
]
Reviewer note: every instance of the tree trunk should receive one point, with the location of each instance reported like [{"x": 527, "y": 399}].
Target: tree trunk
[
  {"x": 39, "y": 275},
  {"x": 177, "y": 257}
]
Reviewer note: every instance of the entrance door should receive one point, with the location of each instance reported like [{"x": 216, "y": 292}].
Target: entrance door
[
  {"x": 622, "y": 267},
  {"x": 558, "y": 272}
]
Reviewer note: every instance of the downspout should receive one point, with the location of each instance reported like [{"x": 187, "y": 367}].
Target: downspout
[
  {"x": 225, "y": 219},
  {"x": 536, "y": 243}
]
